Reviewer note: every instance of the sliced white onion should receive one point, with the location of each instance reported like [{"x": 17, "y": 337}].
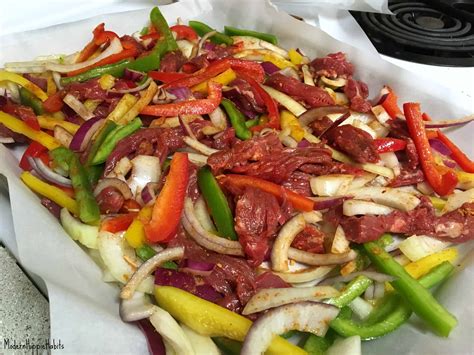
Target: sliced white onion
[
  {"x": 62, "y": 135},
  {"x": 172, "y": 334},
  {"x": 340, "y": 244},
  {"x": 360, "y": 181},
  {"x": 288, "y": 102},
  {"x": 390, "y": 160},
  {"x": 333, "y": 83},
  {"x": 202, "y": 148},
  {"x": 274, "y": 297},
  {"x": 201, "y": 344},
  {"x": 359, "y": 124},
  {"x": 346, "y": 346},
  {"x": 148, "y": 267},
  {"x": 283, "y": 241},
  {"x": 312, "y": 217},
  {"x": 360, "y": 207},
  {"x": 120, "y": 185},
  {"x": 197, "y": 159},
  {"x": 202, "y": 237},
  {"x": 361, "y": 307},
  {"x": 456, "y": 200},
  {"x": 85, "y": 234},
  {"x": 376, "y": 276},
  {"x": 6, "y": 140},
  {"x": 185, "y": 47},
  {"x": 57, "y": 80},
  {"x": 320, "y": 259},
  {"x": 379, "y": 290},
  {"x": 136, "y": 308},
  {"x": 14, "y": 92},
  {"x": 200, "y": 209},
  {"x": 307, "y": 76},
  {"x": 387, "y": 196},
  {"x": 379, "y": 129},
  {"x": 121, "y": 169},
  {"x": 78, "y": 107},
  {"x": 114, "y": 47},
  {"x": 218, "y": 118},
  {"x": 256, "y": 43},
  {"x": 307, "y": 316},
  {"x": 145, "y": 169},
  {"x": 331, "y": 185},
  {"x": 419, "y": 246},
  {"x": 375, "y": 169}
]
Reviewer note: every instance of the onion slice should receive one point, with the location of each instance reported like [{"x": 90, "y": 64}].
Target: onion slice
[
  {"x": 135, "y": 89},
  {"x": 47, "y": 173},
  {"x": 136, "y": 308},
  {"x": 366, "y": 208},
  {"x": 288, "y": 102},
  {"x": 449, "y": 123},
  {"x": 78, "y": 107},
  {"x": 310, "y": 274},
  {"x": 6, "y": 140},
  {"x": 306, "y": 316},
  {"x": 147, "y": 268},
  {"x": 283, "y": 241},
  {"x": 387, "y": 196},
  {"x": 201, "y": 148},
  {"x": 320, "y": 259},
  {"x": 274, "y": 297},
  {"x": 84, "y": 134},
  {"x": 317, "y": 113}
]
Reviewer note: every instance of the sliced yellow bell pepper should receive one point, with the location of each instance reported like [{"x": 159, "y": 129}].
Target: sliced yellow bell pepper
[
  {"x": 420, "y": 267},
  {"x": 18, "y": 79},
  {"x": 48, "y": 122},
  {"x": 51, "y": 88},
  {"x": 49, "y": 191},
  {"x": 223, "y": 78},
  {"x": 106, "y": 82},
  {"x": 209, "y": 319},
  {"x": 91, "y": 104},
  {"x": 295, "y": 57},
  {"x": 135, "y": 234},
  {"x": 437, "y": 202},
  {"x": 265, "y": 55},
  {"x": 288, "y": 120},
  {"x": 144, "y": 100},
  {"x": 18, "y": 126},
  {"x": 123, "y": 106}
]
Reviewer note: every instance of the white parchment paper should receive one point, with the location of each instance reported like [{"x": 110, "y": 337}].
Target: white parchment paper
[
  {"x": 302, "y": 7},
  {"x": 84, "y": 310}
]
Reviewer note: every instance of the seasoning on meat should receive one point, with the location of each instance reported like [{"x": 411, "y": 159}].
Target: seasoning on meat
[{"x": 333, "y": 65}]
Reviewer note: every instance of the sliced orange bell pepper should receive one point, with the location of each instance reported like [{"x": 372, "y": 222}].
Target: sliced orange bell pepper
[
  {"x": 457, "y": 154},
  {"x": 117, "y": 223},
  {"x": 390, "y": 104}
]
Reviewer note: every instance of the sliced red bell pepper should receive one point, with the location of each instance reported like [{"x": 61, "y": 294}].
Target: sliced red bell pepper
[
  {"x": 118, "y": 223},
  {"x": 431, "y": 134},
  {"x": 130, "y": 206},
  {"x": 385, "y": 145},
  {"x": 34, "y": 150},
  {"x": 166, "y": 77},
  {"x": 184, "y": 32},
  {"x": 442, "y": 183},
  {"x": 154, "y": 35},
  {"x": 100, "y": 37},
  {"x": 253, "y": 69},
  {"x": 192, "y": 107},
  {"x": 169, "y": 204},
  {"x": 426, "y": 117},
  {"x": 390, "y": 104},
  {"x": 298, "y": 201},
  {"x": 457, "y": 154},
  {"x": 271, "y": 105},
  {"x": 189, "y": 68},
  {"x": 55, "y": 102}
]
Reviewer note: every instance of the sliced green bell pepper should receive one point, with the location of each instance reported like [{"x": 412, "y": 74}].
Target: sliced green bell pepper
[
  {"x": 354, "y": 289},
  {"x": 217, "y": 203},
  {"x": 416, "y": 296},
  {"x": 237, "y": 119},
  {"x": 30, "y": 100},
  {"x": 234, "y": 31},
  {"x": 113, "y": 138},
  {"x": 160, "y": 24},
  {"x": 106, "y": 129},
  {"x": 201, "y": 29}
]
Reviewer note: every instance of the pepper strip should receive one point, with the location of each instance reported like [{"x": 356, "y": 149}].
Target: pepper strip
[
  {"x": 237, "y": 120},
  {"x": 202, "y": 29},
  {"x": 296, "y": 200},
  {"x": 271, "y": 105},
  {"x": 123, "y": 106},
  {"x": 223, "y": 78},
  {"x": 169, "y": 204},
  {"x": 160, "y": 24},
  {"x": 250, "y": 68},
  {"x": 118, "y": 223},
  {"x": 28, "y": 85},
  {"x": 457, "y": 154},
  {"x": 197, "y": 107},
  {"x": 183, "y": 31},
  {"x": 442, "y": 183},
  {"x": 385, "y": 145},
  {"x": 47, "y": 122},
  {"x": 18, "y": 126},
  {"x": 391, "y": 313},
  {"x": 354, "y": 289},
  {"x": 234, "y": 31},
  {"x": 135, "y": 234},
  {"x": 30, "y": 100},
  {"x": 416, "y": 296},
  {"x": 217, "y": 203},
  {"x": 54, "y": 193},
  {"x": 389, "y": 103},
  {"x": 144, "y": 100}
]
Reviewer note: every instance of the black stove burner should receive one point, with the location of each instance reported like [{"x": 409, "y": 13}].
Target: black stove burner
[{"x": 434, "y": 32}]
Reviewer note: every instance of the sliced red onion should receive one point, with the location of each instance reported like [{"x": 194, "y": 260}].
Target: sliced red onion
[
  {"x": 181, "y": 93},
  {"x": 154, "y": 339},
  {"x": 116, "y": 183},
  {"x": 51, "y": 206},
  {"x": 319, "y": 112},
  {"x": 304, "y": 143},
  {"x": 47, "y": 173},
  {"x": 209, "y": 46},
  {"x": 133, "y": 75},
  {"x": 449, "y": 123},
  {"x": 322, "y": 203},
  {"x": 449, "y": 163},
  {"x": 132, "y": 90},
  {"x": 85, "y": 133},
  {"x": 149, "y": 192},
  {"x": 440, "y": 147},
  {"x": 199, "y": 265},
  {"x": 335, "y": 124},
  {"x": 269, "y": 68}
]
